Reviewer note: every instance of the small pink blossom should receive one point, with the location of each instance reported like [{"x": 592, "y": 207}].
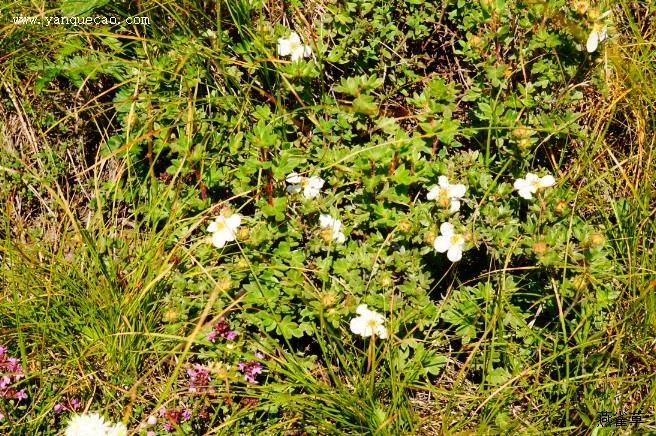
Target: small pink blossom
[
  {"x": 199, "y": 378},
  {"x": 75, "y": 404},
  {"x": 248, "y": 402},
  {"x": 222, "y": 329},
  {"x": 250, "y": 370},
  {"x": 12, "y": 372}
]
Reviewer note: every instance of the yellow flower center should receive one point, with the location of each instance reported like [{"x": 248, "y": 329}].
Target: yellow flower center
[
  {"x": 443, "y": 198},
  {"x": 295, "y": 45},
  {"x": 220, "y": 225},
  {"x": 327, "y": 234},
  {"x": 455, "y": 239},
  {"x": 372, "y": 323}
]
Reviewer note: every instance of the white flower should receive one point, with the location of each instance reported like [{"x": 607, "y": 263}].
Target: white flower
[
  {"x": 294, "y": 47},
  {"x": 328, "y": 222},
  {"x": 597, "y": 35},
  {"x": 368, "y": 323},
  {"x": 450, "y": 242},
  {"x": 311, "y": 186},
  {"x": 118, "y": 429},
  {"x": 223, "y": 229},
  {"x": 532, "y": 183},
  {"x": 447, "y": 194},
  {"x": 294, "y": 178},
  {"x": 87, "y": 425}
]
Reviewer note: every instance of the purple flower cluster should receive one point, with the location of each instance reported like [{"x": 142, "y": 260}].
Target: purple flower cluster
[
  {"x": 173, "y": 417},
  {"x": 250, "y": 370},
  {"x": 11, "y": 372},
  {"x": 72, "y": 405},
  {"x": 250, "y": 402},
  {"x": 222, "y": 329},
  {"x": 199, "y": 378}
]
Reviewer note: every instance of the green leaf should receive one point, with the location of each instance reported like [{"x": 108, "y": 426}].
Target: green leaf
[
  {"x": 276, "y": 210},
  {"x": 365, "y": 104},
  {"x": 498, "y": 376}
]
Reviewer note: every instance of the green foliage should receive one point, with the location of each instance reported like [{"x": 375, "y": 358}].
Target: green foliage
[{"x": 199, "y": 116}]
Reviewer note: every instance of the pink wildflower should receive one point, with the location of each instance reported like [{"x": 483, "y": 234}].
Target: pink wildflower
[
  {"x": 199, "y": 378},
  {"x": 250, "y": 370},
  {"x": 222, "y": 329}
]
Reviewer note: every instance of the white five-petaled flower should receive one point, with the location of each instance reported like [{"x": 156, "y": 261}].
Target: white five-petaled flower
[
  {"x": 294, "y": 47},
  {"x": 532, "y": 183},
  {"x": 311, "y": 186},
  {"x": 93, "y": 425},
  {"x": 333, "y": 226},
  {"x": 597, "y": 35},
  {"x": 368, "y": 323},
  {"x": 223, "y": 229},
  {"x": 450, "y": 242},
  {"x": 447, "y": 194}
]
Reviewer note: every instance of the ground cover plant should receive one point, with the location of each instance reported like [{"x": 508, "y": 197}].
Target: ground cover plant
[{"x": 327, "y": 217}]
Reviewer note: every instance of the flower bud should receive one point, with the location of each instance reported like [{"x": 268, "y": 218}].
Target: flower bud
[
  {"x": 224, "y": 284},
  {"x": 597, "y": 239},
  {"x": 522, "y": 132},
  {"x": 579, "y": 282},
  {"x": 349, "y": 302},
  {"x": 430, "y": 236},
  {"x": 329, "y": 299},
  {"x": 242, "y": 264},
  {"x": 561, "y": 206},
  {"x": 581, "y": 7},
  {"x": 524, "y": 143},
  {"x": 540, "y": 248},
  {"x": 405, "y": 226},
  {"x": 242, "y": 233},
  {"x": 170, "y": 315}
]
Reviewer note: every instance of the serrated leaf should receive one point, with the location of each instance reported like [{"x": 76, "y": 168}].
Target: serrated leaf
[{"x": 365, "y": 104}]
